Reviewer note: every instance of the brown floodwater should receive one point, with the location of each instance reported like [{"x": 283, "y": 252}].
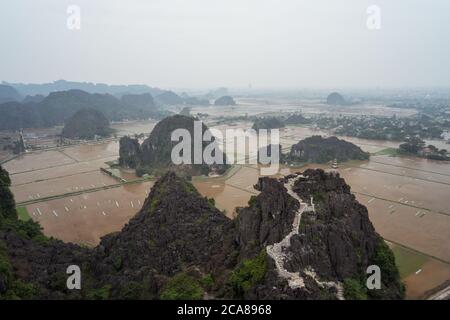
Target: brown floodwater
[
  {"x": 402, "y": 224},
  {"x": 37, "y": 160},
  {"x": 232, "y": 192},
  {"x": 87, "y": 152},
  {"x": 87, "y": 217},
  {"x": 133, "y": 127},
  {"x": 432, "y": 274},
  {"x": 398, "y": 188},
  {"x": 62, "y": 185},
  {"x": 60, "y": 170},
  {"x": 407, "y": 197}
]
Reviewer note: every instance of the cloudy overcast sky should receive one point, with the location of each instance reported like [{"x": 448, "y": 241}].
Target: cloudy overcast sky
[{"x": 210, "y": 43}]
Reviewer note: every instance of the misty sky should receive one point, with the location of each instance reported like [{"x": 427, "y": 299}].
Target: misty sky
[{"x": 233, "y": 43}]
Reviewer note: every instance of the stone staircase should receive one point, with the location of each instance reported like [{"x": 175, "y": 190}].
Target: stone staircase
[{"x": 277, "y": 251}]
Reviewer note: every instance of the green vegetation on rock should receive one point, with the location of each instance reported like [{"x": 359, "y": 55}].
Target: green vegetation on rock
[
  {"x": 248, "y": 274},
  {"x": 354, "y": 290},
  {"x": 182, "y": 287}
]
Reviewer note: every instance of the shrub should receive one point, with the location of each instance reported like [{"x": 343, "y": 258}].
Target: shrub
[
  {"x": 354, "y": 290},
  {"x": 100, "y": 293},
  {"x": 248, "y": 274},
  {"x": 182, "y": 287}
]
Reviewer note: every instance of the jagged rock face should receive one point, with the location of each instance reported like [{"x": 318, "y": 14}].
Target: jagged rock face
[
  {"x": 86, "y": 124},
  {"x": 337, "y": 241},
  {"x": 43, "y": 265},
  {"x": 316, "y": 149},
  {"x": 225, "y": 101},
  {"x": 175, "y": 229},
  {"x": 32, "y": 266},
  {"x": 336, "y": 99},
  {"x": 267, "y": 219},
  {"x": 155, "y": 152},
  {"x": 338, "y": 238},
  {"x": 129, "y": 152}
]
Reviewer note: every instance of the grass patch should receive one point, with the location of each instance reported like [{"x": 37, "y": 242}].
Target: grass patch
[
  {"x": 113, "y": 163},
  {"x": 408, "y": 262},
  {"x": 23, "y": 214},
  {"x": 182, "y": 287},
  {"x": 354, "y": 290},
  {"x": 248, "y": 274},
  {"x": 391, "y": 152}
]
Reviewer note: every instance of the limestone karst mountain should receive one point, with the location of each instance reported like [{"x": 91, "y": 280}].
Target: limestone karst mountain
[
  {"x": 154, "y": 154},
  {"x": 57, "y": 107},
  {"x": 268, "y": 123},
  {"x": 336, "y": 99},
  {"x": 317, "y": 149},
  {"x": 225, "y": 101},
  {"x": 303, "y": 237},
  {"x": 8, "y": 94},
  {"x": 86, "y": 124}
]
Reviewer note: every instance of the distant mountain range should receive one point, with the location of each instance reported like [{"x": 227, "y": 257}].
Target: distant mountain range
[
  {"x": 86, "y": 124},
  {"x": 8, "y": 93},
  {"x": 62, "y": 85},
  {"x": 154, "y": 154},
  {"x": 317, "y": 149},
  {"x": 49, "y": 104},
  {"x": 59, "y": 106}
]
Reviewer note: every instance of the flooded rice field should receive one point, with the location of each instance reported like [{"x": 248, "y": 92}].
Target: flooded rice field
[
  {"x": 407, "y": 197},
  {"x": 61, "y": 185},
  {"x": 420, "y": 273},
  {"x": 58, "y": 171},
  {"x": 133, "y": 127},
  {"x": 87, "y": 152},
  {"x": 37, "y": 160},
  {"x": 87, "y": 217},
  {"x": 263, "y": 106}
]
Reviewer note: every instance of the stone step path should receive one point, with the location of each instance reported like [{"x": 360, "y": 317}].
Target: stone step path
[
  {"x": 327, "y": 284},
  {"x": 277, "y": 251}
]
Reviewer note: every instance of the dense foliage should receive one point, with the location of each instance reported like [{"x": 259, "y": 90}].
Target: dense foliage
[
  {"x": 182, "y": 287},
  {"x": 86, "y": 124},
  {"x": 248, "y": 274},
  {"x": 317, "y": 149},
  {"x": 57, "y": 107},
  {"x": 268, "y": 123}
]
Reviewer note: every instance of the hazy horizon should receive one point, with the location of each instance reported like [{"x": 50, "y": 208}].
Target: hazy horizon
[{"x": 210, "y": 43}]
